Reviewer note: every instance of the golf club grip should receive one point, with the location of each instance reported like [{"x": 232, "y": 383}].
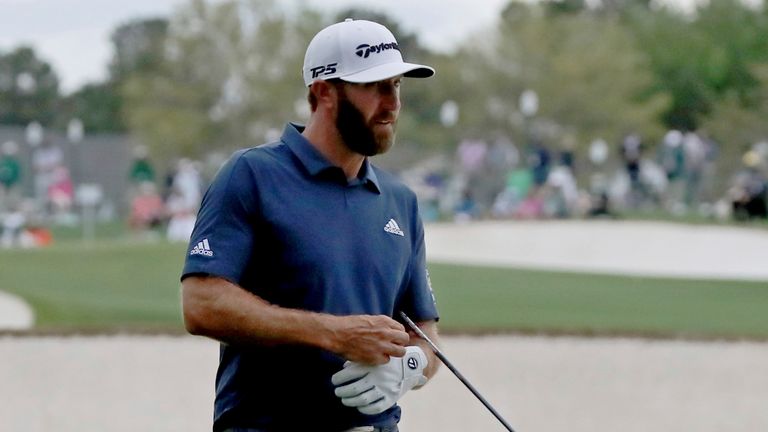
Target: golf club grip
[{"x": 455, "y": 371}]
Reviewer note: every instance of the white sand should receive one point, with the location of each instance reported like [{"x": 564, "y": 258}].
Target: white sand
[
  {"x": 641, "y": 248},
  {"x": 131, "y": 383},
  {"x": 15, "y": 313},
  {"x": 539, "y": 384},
  {"x": 594, "y": 385}
]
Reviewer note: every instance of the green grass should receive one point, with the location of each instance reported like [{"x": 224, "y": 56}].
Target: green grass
[
  {"x": 104, "y": 285},
  {"x": 120, "y": 285},
  {"x": 101, "y": 232},
  {"x": 497, "y": 299}
]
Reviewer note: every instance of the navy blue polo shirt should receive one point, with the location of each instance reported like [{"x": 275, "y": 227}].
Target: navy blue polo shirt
[{"x": 282, "y": 222}]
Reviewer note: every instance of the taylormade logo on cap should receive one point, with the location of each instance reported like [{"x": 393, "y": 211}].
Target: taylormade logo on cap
[
  {"x": 365, "y": 50},
  {"x": 358, "y": 52}
]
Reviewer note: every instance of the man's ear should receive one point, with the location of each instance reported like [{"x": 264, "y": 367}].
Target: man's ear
[{"x": 325, "y": 93}]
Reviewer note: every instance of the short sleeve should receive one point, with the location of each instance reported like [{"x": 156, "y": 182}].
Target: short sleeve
[
  {"x": 223, "y": 238},
  {"x": 418, "y": 300}
]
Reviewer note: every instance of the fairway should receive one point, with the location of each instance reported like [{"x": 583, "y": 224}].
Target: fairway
[
  {"x": 116, "y": 285},
  {"x": 489, "y": 299},
  {"x": 105, "y": 286}
]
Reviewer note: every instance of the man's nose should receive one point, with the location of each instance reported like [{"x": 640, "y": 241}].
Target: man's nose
[{"x": 390, "y": 96}]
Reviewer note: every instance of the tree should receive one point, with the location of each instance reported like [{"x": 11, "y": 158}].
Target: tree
[
  {"x": 702, "y": 59},
  {"x": 590, "y": 77},
  {"x": 139, "y": 48},
  {"x": 225, "y": 80},
  {"x": 138, "y": 51},
  {"x": 97, "y": 105},
  {"x": 737, "y": 124},
  {"x": 29, "y": 88}
]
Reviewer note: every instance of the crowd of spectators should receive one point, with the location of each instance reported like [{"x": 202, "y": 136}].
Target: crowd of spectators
[
  {"x": 677, "y": 176},
  {"x": 486, "y": 178},
  {"x": 155, "y": 207},
  {"x": 172, "y": 208}
]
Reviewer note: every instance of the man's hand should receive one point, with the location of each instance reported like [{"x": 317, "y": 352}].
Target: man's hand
[
  {"x": 367, "y": 339},
  {"x": 374, "y": 389}
]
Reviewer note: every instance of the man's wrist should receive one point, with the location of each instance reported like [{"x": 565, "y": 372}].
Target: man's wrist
[{"x": 322, "y": 332}]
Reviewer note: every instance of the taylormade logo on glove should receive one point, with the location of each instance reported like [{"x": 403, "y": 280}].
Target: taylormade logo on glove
[{"x": 375, "y": 389}]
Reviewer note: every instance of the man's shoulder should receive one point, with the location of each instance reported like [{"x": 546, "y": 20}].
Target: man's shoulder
[
  {"x": 263, "y": 155},
  {"x": 391, "y": 182},
  {"x": 247, "y": 162}
]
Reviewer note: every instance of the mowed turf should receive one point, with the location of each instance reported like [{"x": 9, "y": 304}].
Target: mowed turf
[
  {"x": 94, "y": 287},
  {"x": 496, "y": 299},
  {"x": 118, "y": 285}
]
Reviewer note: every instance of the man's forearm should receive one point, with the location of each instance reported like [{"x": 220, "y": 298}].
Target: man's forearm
[
  {"x": 221, "y": 310},
  {"x": 218, "y": 309}
]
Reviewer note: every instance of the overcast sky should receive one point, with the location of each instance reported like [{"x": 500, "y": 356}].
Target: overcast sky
[{"x": 73, "y": 35}]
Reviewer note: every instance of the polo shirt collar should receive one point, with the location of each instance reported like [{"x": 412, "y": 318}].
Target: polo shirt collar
[{"x": 314, "y": 162}]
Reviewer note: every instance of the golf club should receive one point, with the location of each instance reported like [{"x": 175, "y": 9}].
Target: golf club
[{"x": 458, "y": 374}]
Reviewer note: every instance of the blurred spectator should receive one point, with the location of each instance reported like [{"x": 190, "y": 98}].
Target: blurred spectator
[
  {"x": 761, "y": 148},
  {"x": 36, "y": 236},
  {"x": 532, "y": 207},
  {"x": 653, "y": 182},
  {"x": 477, "y": 189},
  {"x": 21, "y": 228},
  {"x": 599, "y": 199},
  {"x": 671, "y": 154},
  {"x": 433, "y": 186},
  {"x": 598, "y": 153},
  {"x": 568, "y": 152},
  {"x": 749, "y": 192},
  {"x": 188, "y": 183},
  {"x": 147, "y": 210},
  {"x": 631, "y": 154},
  {"x": 471, "y": 155},
  {"x": 695, "y": 158},
  {"x": 13, "y": 224},
  {"x": 672, "y": 160},
  {"x": 519, "y": 184},
  {"x": 181, "y": 217},
  {"x": 45, "y": 160},
  {"x": 10, "y": 175},
  {"x": 501, "y": 158},
  {"x": 563, "y": 197},
  {"x": 503, "y": 154},
  {"x": 141, "y": 168},
  {"x": 708, "y": 184},
  {"x": 60, "y": 191},
  {"x": 600, "y": 205},
  {"x": 539, "y": 161},
  {"x": 466, "y": 208}
]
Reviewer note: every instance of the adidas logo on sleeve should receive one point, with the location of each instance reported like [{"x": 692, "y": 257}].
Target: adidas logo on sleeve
[{"x": 202, "y": 248}]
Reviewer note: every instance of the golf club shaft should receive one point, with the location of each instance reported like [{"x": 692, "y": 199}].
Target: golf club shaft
[{"x": 455, "y": 371}]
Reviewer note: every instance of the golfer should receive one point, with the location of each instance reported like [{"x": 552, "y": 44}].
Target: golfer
[{"x": 304, "y": 251}]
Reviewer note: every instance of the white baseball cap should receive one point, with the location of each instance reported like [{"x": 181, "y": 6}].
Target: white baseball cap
[{"x": 357, "y": 52}]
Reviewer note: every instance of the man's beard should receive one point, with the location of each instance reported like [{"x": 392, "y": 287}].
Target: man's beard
[{"x": 357, "y": 135}]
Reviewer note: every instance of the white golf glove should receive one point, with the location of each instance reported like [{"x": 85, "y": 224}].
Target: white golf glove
[{"x": 374, "y": 389}]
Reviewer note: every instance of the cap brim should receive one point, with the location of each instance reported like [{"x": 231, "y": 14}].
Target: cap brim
[{"x": 389, "y": 70}]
